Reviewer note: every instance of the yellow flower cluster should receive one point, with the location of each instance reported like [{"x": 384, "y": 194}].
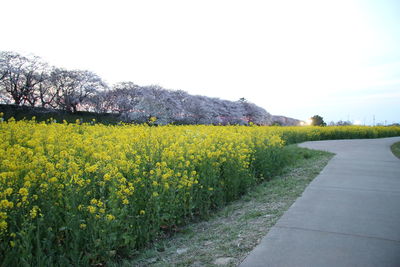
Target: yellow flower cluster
[{"x": 129, "y": 180}]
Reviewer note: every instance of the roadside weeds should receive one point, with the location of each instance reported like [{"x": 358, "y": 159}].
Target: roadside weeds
[{"x": 396, "y": 149}]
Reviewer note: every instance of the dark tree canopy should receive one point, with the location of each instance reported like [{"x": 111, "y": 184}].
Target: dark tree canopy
[{"x": 317, "y": 120}]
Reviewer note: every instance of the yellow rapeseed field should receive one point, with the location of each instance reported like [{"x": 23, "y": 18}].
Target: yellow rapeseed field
[{"x": 83, "y": 193}]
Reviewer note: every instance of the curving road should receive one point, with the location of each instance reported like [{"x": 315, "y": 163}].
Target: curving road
[{"x": 348, "y": 216}]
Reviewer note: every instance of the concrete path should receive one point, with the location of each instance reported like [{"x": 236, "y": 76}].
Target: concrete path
[{"x": 348, "y": 216}]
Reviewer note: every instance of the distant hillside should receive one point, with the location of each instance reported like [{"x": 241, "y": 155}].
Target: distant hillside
[{"x": 284, "y": 121}]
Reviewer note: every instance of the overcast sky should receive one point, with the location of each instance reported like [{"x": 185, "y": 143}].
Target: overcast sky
[{"x": 338, "y": 59}]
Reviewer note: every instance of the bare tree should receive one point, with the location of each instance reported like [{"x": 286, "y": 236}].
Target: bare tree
[
  {"x": 179, "y": 113},
  {"x": 3, "y": 65},
  {"x": 74, "y": 87},
  {"x": 47, "y": 92},
  {"x": 153, "y": 102},
  {"x": 124, "y": 97},
  {"x": 190, "y": 107},
  {"x": 36, "y": 76},
  {"x": 98, "y": 102},
  {"x": 12, "y": 81},
  {"x": 21, "y": 77},
  {"x": 254, "y": 113}
]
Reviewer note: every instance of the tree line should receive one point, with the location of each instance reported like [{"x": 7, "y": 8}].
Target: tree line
[{"x": 28, "y": 80}]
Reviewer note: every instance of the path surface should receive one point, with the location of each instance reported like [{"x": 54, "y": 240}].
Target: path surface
[{"x": 348, "y": 216}]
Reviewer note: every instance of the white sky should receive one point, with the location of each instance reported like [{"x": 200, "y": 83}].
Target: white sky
[{"x": 338, "y": 59}]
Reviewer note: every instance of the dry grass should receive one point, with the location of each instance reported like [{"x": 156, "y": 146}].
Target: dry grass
[{"x": 396, "y": 149}]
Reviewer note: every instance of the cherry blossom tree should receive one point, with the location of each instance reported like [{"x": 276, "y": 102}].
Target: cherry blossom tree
[{"x": 75, "y": 86}]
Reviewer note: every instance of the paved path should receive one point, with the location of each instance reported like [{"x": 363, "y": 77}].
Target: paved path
[{"x": 348, "y": 216}]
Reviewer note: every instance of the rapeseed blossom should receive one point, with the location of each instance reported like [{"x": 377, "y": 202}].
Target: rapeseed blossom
[{"x": 104, "y": 188}]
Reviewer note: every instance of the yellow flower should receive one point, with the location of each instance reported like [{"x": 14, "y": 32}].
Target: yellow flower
[
  {"x": 23, "y": 191},
  {"x": 8, "y": 191},
  {"x": 91, "y": 209},
  {"x": 3, "y": 226},
  {"x": 83, "y": 226},
  {"x": 110, "y": 217},
  {"x": 107, "y": 177},
  {"x": 5, "y": 204},
  {"x": 44, "y": 187},
  {"x": 92, "y": 168},
  {"x": 53, "y": 180},
  {"x": 42, "y": 163},
  {"x": 34, "y": 212}
]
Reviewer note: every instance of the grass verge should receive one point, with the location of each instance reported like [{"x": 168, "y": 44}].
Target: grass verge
[
  {"x": 396, "y": 149},
  {"x": 233, "y": 231}
]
